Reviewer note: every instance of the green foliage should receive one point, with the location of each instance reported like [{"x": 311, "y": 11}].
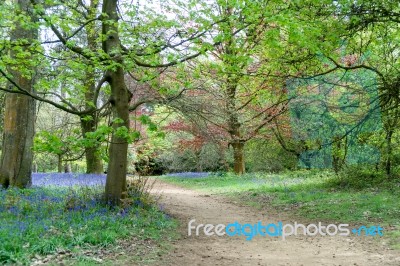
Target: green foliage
[
  {"x": 361, "y": 177},
  {"x": 97, "y": 137},
  {"x": 268, "y": 156},
  {"x": 52, "y": 143},
  {"x": 146, "y": 120},
  {"x": 208, "y": 158}
]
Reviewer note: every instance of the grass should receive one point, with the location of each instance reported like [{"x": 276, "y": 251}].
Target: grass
[
  {"x": 315, "y": 195},
  {"x": 43, "y": 221}
]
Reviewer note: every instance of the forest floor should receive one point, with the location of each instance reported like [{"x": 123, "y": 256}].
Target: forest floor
[{"x": 186, "y": 204}]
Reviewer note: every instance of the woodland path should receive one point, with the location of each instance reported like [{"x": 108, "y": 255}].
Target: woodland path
[{"x": 187, "y": 204}]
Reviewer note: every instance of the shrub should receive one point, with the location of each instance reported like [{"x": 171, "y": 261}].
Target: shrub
[
  {"x": 268, "y": 156},
  {"x": 360, "y": 176}
]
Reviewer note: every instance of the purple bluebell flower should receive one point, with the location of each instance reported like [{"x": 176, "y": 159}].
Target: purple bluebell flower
[
  {"x": 67, "y": 179},
  {"x": 190, "y": 174}
]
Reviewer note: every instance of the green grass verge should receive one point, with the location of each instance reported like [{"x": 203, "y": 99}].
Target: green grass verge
[
  {"x": 38, "y": 222},
  {"x": 315, "y": 195}
]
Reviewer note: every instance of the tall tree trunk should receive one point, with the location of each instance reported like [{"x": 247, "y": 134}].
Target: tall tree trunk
[
  {"x": 238, "y": 157},
  {"x": 234, "y": 129},
  {"x": 35, "y": 168},
  {"x": 232, "y": 81},
  {"x": 338, "y": 153},
  {"x": 67, "y": 167},
  {"x": 94, "y": 162},
  {"x": 224, "y": 164},
  {"x": 117, "y": 166},
  {"x": 19, "y": 117},
  {"x": 388, "y": 163},
  {"x": 59, "y": 164},
  {"x": 335, "y": 155}
]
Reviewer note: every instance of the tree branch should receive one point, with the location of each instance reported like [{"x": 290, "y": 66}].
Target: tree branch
[{"x": 20, "y": 90}]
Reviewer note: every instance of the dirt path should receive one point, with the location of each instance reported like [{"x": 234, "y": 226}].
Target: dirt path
[{"x": 186, "y": 204}]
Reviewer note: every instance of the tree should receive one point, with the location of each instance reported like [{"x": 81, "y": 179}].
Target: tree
[
  {"x": 371, "y": 33},
  {"x": 120, "y": 98},
  {"x": 89, "y": 123},
  {"x": 236, "y": 90},
  {"x": 205, "y": 141},
  {"x": 19, "y": 115}
]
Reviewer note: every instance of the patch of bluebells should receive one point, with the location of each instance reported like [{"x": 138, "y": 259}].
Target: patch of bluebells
[
  {"x": 189, "y": 174},
  {"x": 62, "y": 211},
  {"x": 67, "y": 179}
]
